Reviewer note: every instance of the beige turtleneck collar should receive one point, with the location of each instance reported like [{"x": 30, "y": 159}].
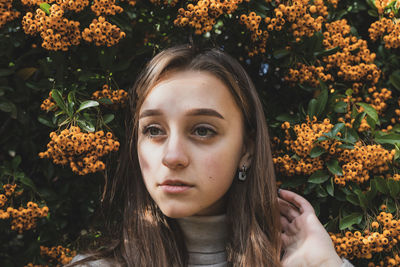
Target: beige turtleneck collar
[{"x": 205, "y": 238}]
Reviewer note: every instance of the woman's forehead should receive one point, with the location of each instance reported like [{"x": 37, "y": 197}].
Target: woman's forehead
[{"x": 186, "y": 90}]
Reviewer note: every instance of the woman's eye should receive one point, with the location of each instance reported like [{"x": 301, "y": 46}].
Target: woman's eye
[
  {"x": 202, "y": 131},
  {"x": 151, "y": 131}
]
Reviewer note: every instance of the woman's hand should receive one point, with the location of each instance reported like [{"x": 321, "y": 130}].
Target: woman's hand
[{"x": 305, "y": 240}]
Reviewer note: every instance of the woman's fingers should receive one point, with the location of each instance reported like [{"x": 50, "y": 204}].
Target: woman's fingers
[
  {"x": 287, "y": 209},
  {"x": 301, "y": 203}
]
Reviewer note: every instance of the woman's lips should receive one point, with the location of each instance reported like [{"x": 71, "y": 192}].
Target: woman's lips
[{"x": 175, "y": 188}]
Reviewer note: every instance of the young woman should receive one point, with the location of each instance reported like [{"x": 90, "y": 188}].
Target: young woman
[{"x": 196, "y": 179}]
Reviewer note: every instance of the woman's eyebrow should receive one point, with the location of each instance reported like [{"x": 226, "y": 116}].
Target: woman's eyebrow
[{"x": 191, "y": 112}]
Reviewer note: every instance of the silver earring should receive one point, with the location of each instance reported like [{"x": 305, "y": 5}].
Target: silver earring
[{"x": 242, "y": 173}]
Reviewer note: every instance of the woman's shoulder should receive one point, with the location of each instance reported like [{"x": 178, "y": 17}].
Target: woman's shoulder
[{"x": 93, "y": 263}]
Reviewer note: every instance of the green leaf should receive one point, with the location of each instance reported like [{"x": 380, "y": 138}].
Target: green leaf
[
  {"x": 105, "y": 100},
  {"x": 330, "y": 188},
  {"x": 371, "y": 123},
  {"x": 394, "y": 79},
  {"x": 71, "y": 97},
  {"x": 87, "y": 104},
  {"x": 353, "y": 199},
  {"x": 385, "y": 138},
  {"x": 349, "y": 92},
  {"x": 85, "y": 125},
  {"x": 373, "y": 13},
  {"x": 337, "y": 128},
  {"x": 381, "y": 185},
  {"x": 321, "y": 100},
  {"x": 334, "y": 168},
  {"x": 345, "y": 146},
  {"x": 321, "y": 193},
  {"x": 6, "y": 72},
  {"x": 394, "y": 187},
  {"x": 362, "y": 198},
  {"x": 15, "y": 162},
  {"x": 45, "y": 7},
  {"x": 327, "y": 52},
  {"x": 289, "y": 118},
  {"x": 312, "y": 108},
  {"x": 56, "y": 95},
  {"x": 46, "y": 122},
  {"x": 318, "y": 177},
  {"x": 349, "y": 220},
  {"x": 294, "y": 182},
  {"x": 370, "y": 111},
  {"x": 9, "y": 107},
  {"x": 371, "y": 4},
  {"x": 26, "y": 181},
  {"x": 371, "y": 193},
  {"x": 317, "y": 151},
  {"x": 281, "y": 53},
  {"x": 357, "y": 119},
  {"x": 340, "y": 107},
  {"x": 350, "y": 135},
  {"x": 108, "y": 118}
]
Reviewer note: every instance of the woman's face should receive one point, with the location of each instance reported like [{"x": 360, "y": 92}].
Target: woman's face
[{"x": 190, "y": 143}]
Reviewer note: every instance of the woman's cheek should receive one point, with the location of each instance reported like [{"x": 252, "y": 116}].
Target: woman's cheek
[{"x": 144, "y": 158}]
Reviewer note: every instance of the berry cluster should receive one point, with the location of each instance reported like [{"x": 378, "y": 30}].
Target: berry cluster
[
  {"x": 101, "y": 32},
  {"x": 310, "y": 75},
  {"x": 387, "y": 28},
  {"x": 252, "y": 22},
  {"x": 82, "y": 151},
  {"x": 106, "y": 7},
  {"x": 6, "y": 12},
  {"x": 307, "y": 133},
  {"x": 57, "y": 32},
  {"x": 354, "y": 61},
  {"x": 299, "y": 17},
  {"x": 364, "y": 245},
  {"x": 117, "y": 97},
  {"x": 57, "y": 254},
  {"x": 76, "y": 6},
  {"x": 22, "y": 219},
  {"x": 382, "y": 4},
  {"x": 8, "y": 192},
  {"x": 299, "y": 13},
  {"x": 48, "y": 104},
  {"x": 361, "y": 160},
  {"x": 304, "y": 166},
  {"x": 25, "y": 218},
  {"x": 203, "y": 15}
]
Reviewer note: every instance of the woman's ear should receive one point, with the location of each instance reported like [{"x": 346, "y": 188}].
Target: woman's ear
[{"x": 247, "y": 153}]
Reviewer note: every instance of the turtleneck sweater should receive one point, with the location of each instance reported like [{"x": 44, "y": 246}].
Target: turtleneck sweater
[{"x": 205, "y": 238}]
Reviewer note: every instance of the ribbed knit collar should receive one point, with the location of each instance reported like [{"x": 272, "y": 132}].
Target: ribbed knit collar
[{"x": 205, "y": 238}]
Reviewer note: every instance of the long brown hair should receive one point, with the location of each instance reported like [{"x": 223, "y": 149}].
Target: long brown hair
[{"x": 149, "y": 238}]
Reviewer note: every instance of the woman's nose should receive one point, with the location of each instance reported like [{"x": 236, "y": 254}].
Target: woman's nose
[{"x": 175, "y": 155}]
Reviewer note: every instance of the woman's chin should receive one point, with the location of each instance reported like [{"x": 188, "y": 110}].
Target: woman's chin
[{"x": 175, "y": 213}]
